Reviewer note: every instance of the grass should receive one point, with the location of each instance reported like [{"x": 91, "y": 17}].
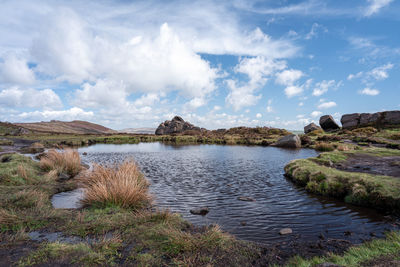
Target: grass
[
  {"x": 359, "y": 255},
  {"x": 376, "y": 191},
  {"x": 123, "y": 185},
  {"x": 67, "y": 161},
  {"x": 323, "y": 147},
  {"x": 6, "y": 142}
]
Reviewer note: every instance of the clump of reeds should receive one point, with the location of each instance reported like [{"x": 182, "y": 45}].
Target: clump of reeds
[
  {"x": 324, "y": 147},
  {"x": 67, "y": 161},
  {"x": 122, "y": 185}
]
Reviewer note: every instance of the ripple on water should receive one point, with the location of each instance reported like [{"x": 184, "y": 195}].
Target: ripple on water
[{"x": 185, "y": 177}]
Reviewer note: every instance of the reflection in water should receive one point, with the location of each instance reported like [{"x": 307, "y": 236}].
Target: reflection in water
[{"x": 185, "y": 177}]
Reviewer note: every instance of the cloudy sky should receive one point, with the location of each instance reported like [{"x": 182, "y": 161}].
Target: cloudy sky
[{"x": 218, "y": 64}]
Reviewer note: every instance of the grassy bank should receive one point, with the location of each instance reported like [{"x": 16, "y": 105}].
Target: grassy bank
[
  {"x": 385, "y": 252},
  {"x": 109, "y": 230},
  {"x": 317, "y": 176}
]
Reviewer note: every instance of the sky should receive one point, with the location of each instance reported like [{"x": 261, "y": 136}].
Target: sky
[{"x": 218, "y": 64}]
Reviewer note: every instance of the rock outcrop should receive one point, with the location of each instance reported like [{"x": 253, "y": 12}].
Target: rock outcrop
[
  {"x": 378, "y": 120},
  {"x": 176, "y": 125},
  {"x": 328, "y": 123},
  {"x": 289, "y": 141},
  {"x": 311, "y": 127}
]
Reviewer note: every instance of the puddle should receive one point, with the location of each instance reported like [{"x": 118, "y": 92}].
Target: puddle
[
  {"x": 54, "y": 237},
  {"x": 68, "y": 200}
]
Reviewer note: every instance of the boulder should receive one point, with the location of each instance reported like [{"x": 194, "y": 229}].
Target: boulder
[
  {"x": 391, "y": 117},
  {"x": 328, "y": 124},
  {"x": 311, "y": 127},
  {"x": 199, "y": 211},
  {"x": 176, "y": 125},
  {"x": 285, "y": 231},
  {"x": 350, "y": 120},
  {"x": 289, "y": 141}
]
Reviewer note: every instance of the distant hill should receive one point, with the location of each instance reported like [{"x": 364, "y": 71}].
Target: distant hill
[
  {"x": 67, "y": 127},
  {"x": 138, "y": 130}
]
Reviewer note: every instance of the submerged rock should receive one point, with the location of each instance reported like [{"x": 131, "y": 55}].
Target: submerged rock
[
  {"x": 200, "y": 211},
  {"x": 285, "y": 231},
  {"x": 328, "y": 123},
  {"x": 176, "y": 125},
  {"x": 289, "y": 141},
  {"x": 246, "y": 199}
]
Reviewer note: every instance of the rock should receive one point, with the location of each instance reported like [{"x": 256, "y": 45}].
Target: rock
[
  {"x": 63, "y": 176},
  {"x": 199, "y": 211},
  {"x": 41, "y": 155},
  {"x": 84, "y": 153},
  {"x": 176, "y": 125},
  {"x": 289, "y": 141},
  {"x": 246, "y": 199},
  {"x": 306, "y": 140},
  {"x": 35, "y": 148},
  {"x": 311, "y": 127},
  {"x": 350, "y": 120},
  {"x": 391, "y": 117},
  {"x": 285, "y": 231},
  {"x": 243, "y": 223},
  {"x": 328, "y": 123}
]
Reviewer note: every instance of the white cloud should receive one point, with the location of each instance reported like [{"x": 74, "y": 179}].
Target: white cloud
[
  {"x": 315, "y": 28},
  {"x": 259, "y": 70},
  {"x": 66, "y": 115},
  {"x": 316, "y": 113},
  {"x": 380, "y": 73},
  {"x": 293, "y": 90},
  {"x": 15, "y": 71},
  {"x": 375, "y": 6},
  {"x": 269, "y": 108},
  {"x": 354, "y": 76},
  {"x": 258, "y": 115},
  {"x": 369, "y": 91},
  {"x": 325, "y": 105},
  {"x": 31, "y": 98},
  {"x": 323, "y": 87},
  {"x": 288, "y": 77}
]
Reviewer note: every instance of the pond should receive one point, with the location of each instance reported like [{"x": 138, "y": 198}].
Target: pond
[{"x": 191, "y": 176}]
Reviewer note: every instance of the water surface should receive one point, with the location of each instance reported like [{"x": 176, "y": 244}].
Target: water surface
[{"x": 185, "y": 177}]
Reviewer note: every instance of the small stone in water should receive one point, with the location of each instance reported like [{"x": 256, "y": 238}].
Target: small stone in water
[
  {"x": 199, "y": 211},
  {"x": 84, "y": 153},
  {"x": 243, "y": 223},
  {"x": 285, "y": 231},
  {"x": 246, "y": 199}
]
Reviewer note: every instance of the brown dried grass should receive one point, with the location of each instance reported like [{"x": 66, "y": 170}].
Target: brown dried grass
[
  {"x": 68, "y": 161},
  {"x": 122, "y": 185}
]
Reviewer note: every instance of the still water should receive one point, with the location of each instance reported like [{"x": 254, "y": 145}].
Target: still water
[{"x": 190, "y": 176}]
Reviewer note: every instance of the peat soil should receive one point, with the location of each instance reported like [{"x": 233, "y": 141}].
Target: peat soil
[{"x": 389, "y": 166}]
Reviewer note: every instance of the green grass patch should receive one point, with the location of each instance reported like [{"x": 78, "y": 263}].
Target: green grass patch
[{"x": 358, "y": 255}]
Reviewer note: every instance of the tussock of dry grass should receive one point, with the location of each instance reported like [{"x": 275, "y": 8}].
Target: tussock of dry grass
[
  {"x": 68, "y": 161},
  {"x": 122, "y": 185},
  {"x": 7, "y": 217}
]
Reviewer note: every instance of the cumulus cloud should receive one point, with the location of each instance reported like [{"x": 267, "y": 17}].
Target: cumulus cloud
[
  {"x": 323, "y": 87},
  {"x": 15, "y": 71},
  {"x": 258, "y": 115},
  {"x": 16, "y": 97},
  {"x": 288, "y": 77},
  {"x": 369, "y": 91},
  {"x": 380, "y": 73},
  {"x": 375, "y": 6},
  {"x": 259, "y": 70},
  {"x": 325, "y": 105},
  {"x": 293, "y": 90},
  {"x": 67, "y": 115},
  {"x": 316, "y": 113},
  {"x": 269, "y": 108}
]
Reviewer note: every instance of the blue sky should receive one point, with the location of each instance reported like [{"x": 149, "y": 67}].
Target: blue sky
[{"x": 218, "y": 64}]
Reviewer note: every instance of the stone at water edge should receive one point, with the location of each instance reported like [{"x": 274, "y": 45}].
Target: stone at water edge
[
  {"x": 200, "y": 211},
  {"x": 176, "y": 125},
  {"x": 285, "y": 231},
  {"x": 311, "y": 127},
  {"x": 249, "y": 199},
  {"x": 289, "y": 141},
  {"x": 327, "y": 123}
]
